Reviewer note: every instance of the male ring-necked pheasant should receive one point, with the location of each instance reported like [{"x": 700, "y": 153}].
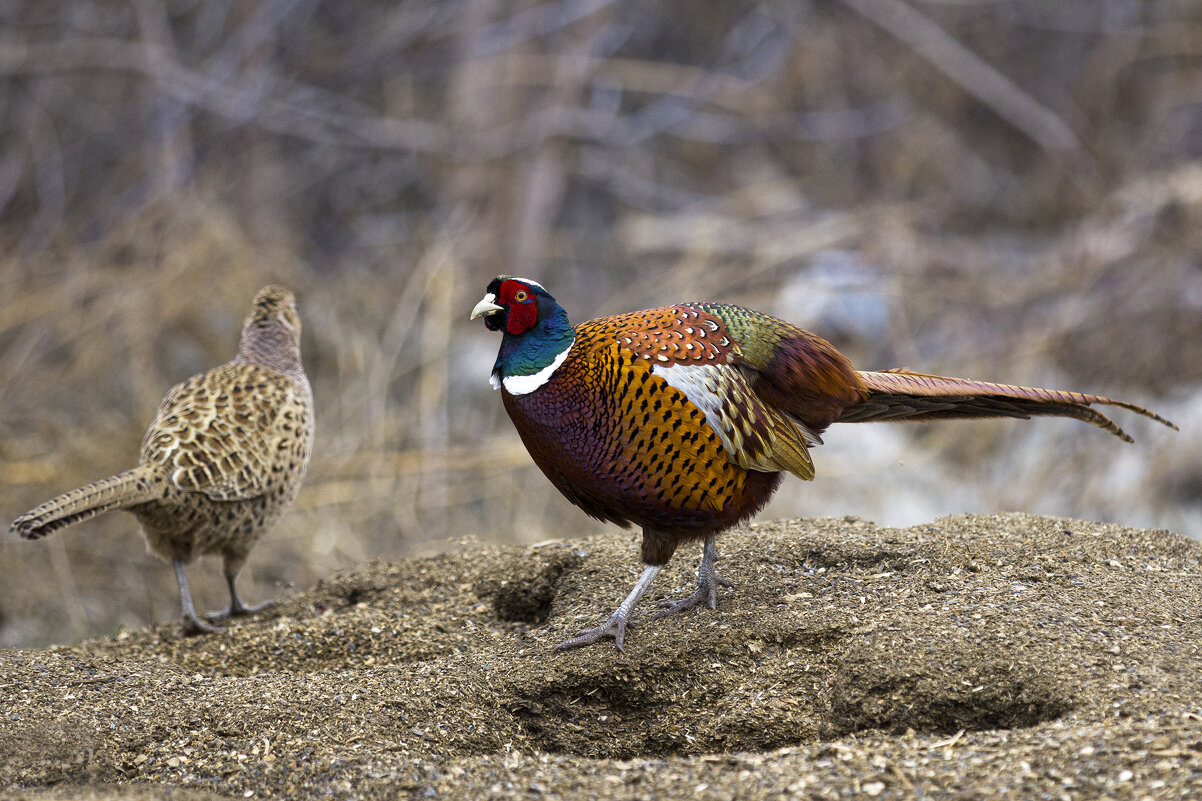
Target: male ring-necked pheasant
[
  {"x": 221, "y": 462},
  {"x": 683, "y": 419}
]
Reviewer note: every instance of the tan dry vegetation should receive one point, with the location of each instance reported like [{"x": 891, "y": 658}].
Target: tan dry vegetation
[
  {"x": 1002, "y": 190},
  {"x": 1005, "y": 656}
]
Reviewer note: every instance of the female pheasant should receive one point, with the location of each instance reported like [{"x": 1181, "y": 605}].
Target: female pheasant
[
  {"x": 222, "y": 461},
  {"x": 683, "y": 419}
]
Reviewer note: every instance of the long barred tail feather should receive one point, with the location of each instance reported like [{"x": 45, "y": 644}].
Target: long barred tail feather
[
  {"x": 115, "y": 492},
  {"x": 898, "y": 394}
]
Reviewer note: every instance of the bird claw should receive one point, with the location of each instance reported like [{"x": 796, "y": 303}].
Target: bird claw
[
  {"x": 710, "y": 599},
  {"x": 194, "y": 626},
  {"x": 238, "y": 610},
  {"x": 707, "y": 593},
  {"x": 615, "y": 627}
]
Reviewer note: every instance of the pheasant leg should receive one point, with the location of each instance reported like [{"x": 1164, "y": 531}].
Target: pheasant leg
[
  {"x": 616, "y": 625},
  {"x": 236, "y": 607},
  {"x": 192, "y": 624},
  {"x": 707, "y": 584}
]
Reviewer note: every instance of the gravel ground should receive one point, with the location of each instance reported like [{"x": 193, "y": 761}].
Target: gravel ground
[{"x": 1005, "y": 656}]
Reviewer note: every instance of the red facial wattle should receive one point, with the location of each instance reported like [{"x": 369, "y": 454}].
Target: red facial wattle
[{"x": 517, "y": 298}]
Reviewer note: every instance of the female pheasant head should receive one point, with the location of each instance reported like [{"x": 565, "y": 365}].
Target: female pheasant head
[
  {"x": 537, "y": 335},
  {"x": 273, "y": 304},
  {"x": 271, "y": 335}
]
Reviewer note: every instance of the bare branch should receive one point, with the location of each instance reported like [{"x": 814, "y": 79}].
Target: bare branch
[
  {"x": 964, "y": 67},
  {"x": 312, "y": 119}
]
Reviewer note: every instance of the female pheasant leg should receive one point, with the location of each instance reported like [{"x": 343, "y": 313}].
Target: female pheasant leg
[
  {"x": 707, "y": 584},
  {"x": 192, "y": 624},
  {"x": 616, "y": 625},
  {"x": 231, "y": 568},
  {"x": 238, "y": 606}
]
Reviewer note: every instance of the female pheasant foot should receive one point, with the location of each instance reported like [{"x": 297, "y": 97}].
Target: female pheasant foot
[
  {"x": 192, "y": 624},
  {"x": 237, "y": 608},
  {"x": 616, "y": 625},
  {"x": 707, "y": 584}
]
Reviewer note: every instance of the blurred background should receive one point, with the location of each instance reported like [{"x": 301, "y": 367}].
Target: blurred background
[{"x": 1001, "y": 189}]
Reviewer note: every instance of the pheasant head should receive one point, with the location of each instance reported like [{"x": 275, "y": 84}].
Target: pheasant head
[
  {"x": 537, "y": 335},
  {"x": 271, "y": 334}
]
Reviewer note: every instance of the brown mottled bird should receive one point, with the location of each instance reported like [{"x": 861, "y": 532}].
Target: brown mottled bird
[
  {"x": 684, "y": 419},
  {"x": 221, "y": 462}
]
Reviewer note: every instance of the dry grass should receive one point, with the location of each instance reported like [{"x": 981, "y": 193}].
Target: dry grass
[{"x": 982, "y": 189}]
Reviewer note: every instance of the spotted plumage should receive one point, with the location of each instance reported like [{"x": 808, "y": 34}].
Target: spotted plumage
[
  {"x": 221, "y": 462},
  {"x": 683, "y": 419}
]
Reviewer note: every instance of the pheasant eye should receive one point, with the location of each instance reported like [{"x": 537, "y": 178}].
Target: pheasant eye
[{"x": 520, "y": 296}]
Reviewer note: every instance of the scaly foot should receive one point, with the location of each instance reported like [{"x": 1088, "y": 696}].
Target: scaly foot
[
  {"x": 238, "y": 609},
  {"x": 194, "y": 625},
  {"x": 707, "y": 593},
  {"x": 708, "y": 582},
  {"x": 614, "y": 627}
]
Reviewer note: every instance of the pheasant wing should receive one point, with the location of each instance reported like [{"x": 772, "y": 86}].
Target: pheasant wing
[
  {"x": 692, "y": 350},
  {"x": 225, "y": 432}
]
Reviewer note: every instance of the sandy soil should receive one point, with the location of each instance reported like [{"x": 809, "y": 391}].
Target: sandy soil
[{"x": 1007, "y": 656}]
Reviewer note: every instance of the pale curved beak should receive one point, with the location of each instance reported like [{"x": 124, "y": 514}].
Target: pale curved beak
[{"x": 486, "y": 306}]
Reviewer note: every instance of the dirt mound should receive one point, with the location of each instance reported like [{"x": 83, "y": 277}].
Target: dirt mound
[{"x": 983, "y": 656}]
